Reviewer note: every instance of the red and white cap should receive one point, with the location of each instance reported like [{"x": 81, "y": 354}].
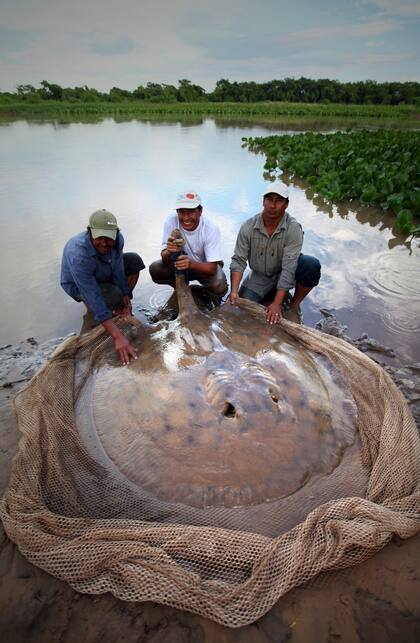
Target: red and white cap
[{"x": 187, "y": 200}]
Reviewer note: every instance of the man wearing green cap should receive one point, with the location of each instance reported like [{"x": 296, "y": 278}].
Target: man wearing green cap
[{"x": 95, "y": 270}]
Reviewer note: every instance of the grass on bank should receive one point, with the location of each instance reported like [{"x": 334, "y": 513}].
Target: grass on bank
[
  {"x": 380, "y": 168},
  {"x": 404, "y": 115}
]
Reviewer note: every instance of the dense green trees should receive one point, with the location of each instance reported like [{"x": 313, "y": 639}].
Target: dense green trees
[
  {"x": 306, "y": 90},
  {"x": 300, "y": 90}
]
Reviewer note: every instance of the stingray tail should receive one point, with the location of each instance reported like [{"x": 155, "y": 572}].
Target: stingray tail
[{"x": 186, "y": 304}]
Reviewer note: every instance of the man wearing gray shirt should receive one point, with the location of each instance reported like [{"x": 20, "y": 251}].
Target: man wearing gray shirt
[{"x": 271, "y": 243}]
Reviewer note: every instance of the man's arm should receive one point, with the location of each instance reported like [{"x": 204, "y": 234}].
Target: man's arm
[
  {"x": 184, "y": 262},
  {"x": 119, "y": 278},
  {"x": 235, "y": 280},
  {"x": 82, "y": 272},
  {"x": 204, "y": 267},
  {"x": 127, "y": 309},
  {"x": 168, "y": 246},
  {"x": 123, "y": 347},
  {"x": 292, "y": 249},
  {"x": 166, "y": 253}
]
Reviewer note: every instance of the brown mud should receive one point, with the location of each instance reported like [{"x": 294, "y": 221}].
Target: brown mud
[{"x": 377, "y": 601}]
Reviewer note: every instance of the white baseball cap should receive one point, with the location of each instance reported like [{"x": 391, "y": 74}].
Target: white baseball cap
[
  {"x": 187, "y": 200},
  {"x": 277, "y": 188}
]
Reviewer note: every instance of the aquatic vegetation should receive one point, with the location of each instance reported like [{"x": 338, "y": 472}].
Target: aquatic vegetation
[
  {"x": 380, "y": 168},
  {"x": 350, "y": 115}
]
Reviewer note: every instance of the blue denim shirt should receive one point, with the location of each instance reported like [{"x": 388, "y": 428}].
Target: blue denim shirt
[{"x": 82, "y": 268}]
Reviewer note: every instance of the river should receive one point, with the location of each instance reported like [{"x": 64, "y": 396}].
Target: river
[{"x": 52, "y": 176}]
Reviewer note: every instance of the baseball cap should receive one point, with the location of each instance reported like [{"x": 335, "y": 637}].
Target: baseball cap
[
  {"x": 187, "y": 200},
  {"x": 103, "y": 224},
  {"x": 277, "y": 188}
]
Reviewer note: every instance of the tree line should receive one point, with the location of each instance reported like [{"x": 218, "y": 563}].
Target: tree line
[{"x": 300, "y": 90}]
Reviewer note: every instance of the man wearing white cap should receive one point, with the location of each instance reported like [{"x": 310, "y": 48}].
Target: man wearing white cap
[
  {"x": 202, "y": 250},
  {"x": 271, "y": 243},
  {"x": 95, "y": 270}
]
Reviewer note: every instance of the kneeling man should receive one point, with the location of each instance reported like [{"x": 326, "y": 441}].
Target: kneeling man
[
  {"x": 95, "y": 270},
  {"x": 202, "y": 252},
  {"x": 271, "y": 243}
]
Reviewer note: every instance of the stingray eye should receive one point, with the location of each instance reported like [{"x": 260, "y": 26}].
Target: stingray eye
[
  {"x": 228, "y": 410},
  {"x": 274, "y": 397}
]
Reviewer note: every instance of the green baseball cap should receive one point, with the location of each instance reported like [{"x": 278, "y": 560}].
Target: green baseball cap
[{"x": 103, "y": 224}]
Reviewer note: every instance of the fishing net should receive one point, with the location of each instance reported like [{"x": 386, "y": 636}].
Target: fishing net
[{"x": 85, "y": 523}]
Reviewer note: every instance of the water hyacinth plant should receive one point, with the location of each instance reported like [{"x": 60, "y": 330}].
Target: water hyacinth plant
[{"x": 380, "y": 168}]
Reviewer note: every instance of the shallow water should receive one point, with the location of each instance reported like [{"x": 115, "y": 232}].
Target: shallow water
[{"x": 52, "y": 176}]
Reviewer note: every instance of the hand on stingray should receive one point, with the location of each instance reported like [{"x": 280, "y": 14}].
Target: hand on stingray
[
  {"x": 233, "y": 297},
  {"x": 183, "y": 262},
  {"x": 174, "y": 244},
  {"x": 274, "y": 313}
]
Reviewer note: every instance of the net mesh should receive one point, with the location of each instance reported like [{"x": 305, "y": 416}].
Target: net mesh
[{"x": 73, "y": 517}]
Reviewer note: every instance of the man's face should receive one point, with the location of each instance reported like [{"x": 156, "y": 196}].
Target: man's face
[
  {"x": 274, "y": 205},
  {"x": 189, "y": 218},
  {"x": 103, "y": 245}
]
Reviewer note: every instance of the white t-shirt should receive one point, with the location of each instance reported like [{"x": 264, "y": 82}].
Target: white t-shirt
[{"x": 202, "y": 244}]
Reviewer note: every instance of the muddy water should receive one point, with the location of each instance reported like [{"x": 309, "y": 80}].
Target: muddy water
[{"x": 53, "y": 176}]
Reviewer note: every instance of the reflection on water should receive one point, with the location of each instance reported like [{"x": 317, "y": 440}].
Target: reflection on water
[
  {"x": 395, "y": 278},
  {"x": 53, "y": 175},
  {"x": 279, "y": 123}
]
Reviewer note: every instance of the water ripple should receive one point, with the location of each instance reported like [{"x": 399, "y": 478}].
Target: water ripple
[
  {"x": 395, "y": 278},
  {"x": 159, "y": 297}
]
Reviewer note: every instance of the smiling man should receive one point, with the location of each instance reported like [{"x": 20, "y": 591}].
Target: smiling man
[
  {"x": 95, "y": 270},
  {"x": 202, "y": 251},
  {"x": 271, "y": 242}
]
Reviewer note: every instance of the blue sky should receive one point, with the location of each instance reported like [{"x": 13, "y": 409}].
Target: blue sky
[{"x": 126, "y": 43}]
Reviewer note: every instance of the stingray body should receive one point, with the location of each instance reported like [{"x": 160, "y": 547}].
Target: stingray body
[{"x": 226, "y": 418}]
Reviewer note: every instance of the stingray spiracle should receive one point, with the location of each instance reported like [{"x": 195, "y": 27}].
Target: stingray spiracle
[{"x": 232, "y": 391}]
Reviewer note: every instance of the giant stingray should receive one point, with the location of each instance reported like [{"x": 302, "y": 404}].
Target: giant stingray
[
  {"x": 230, "y": 463},
  {"x": 223, "y": 420}
]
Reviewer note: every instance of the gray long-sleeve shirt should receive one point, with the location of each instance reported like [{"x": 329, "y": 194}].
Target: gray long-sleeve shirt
[{"x": 274, "y": 257}]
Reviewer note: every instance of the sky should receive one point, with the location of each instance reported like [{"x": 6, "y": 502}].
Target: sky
[{"x": 127, "y": 43}]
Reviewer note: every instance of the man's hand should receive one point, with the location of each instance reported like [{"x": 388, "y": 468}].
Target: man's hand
[
  {"x": 273, "y": 313},
  {"x": 232, "y": 298},
  {"x": 124, "y": 349},
  {"x": 182, "y": 263},
  {"x": 171, "y": 246}
]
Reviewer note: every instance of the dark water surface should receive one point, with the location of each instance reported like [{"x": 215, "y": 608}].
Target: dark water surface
[{"x": 53, "y": 176}]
